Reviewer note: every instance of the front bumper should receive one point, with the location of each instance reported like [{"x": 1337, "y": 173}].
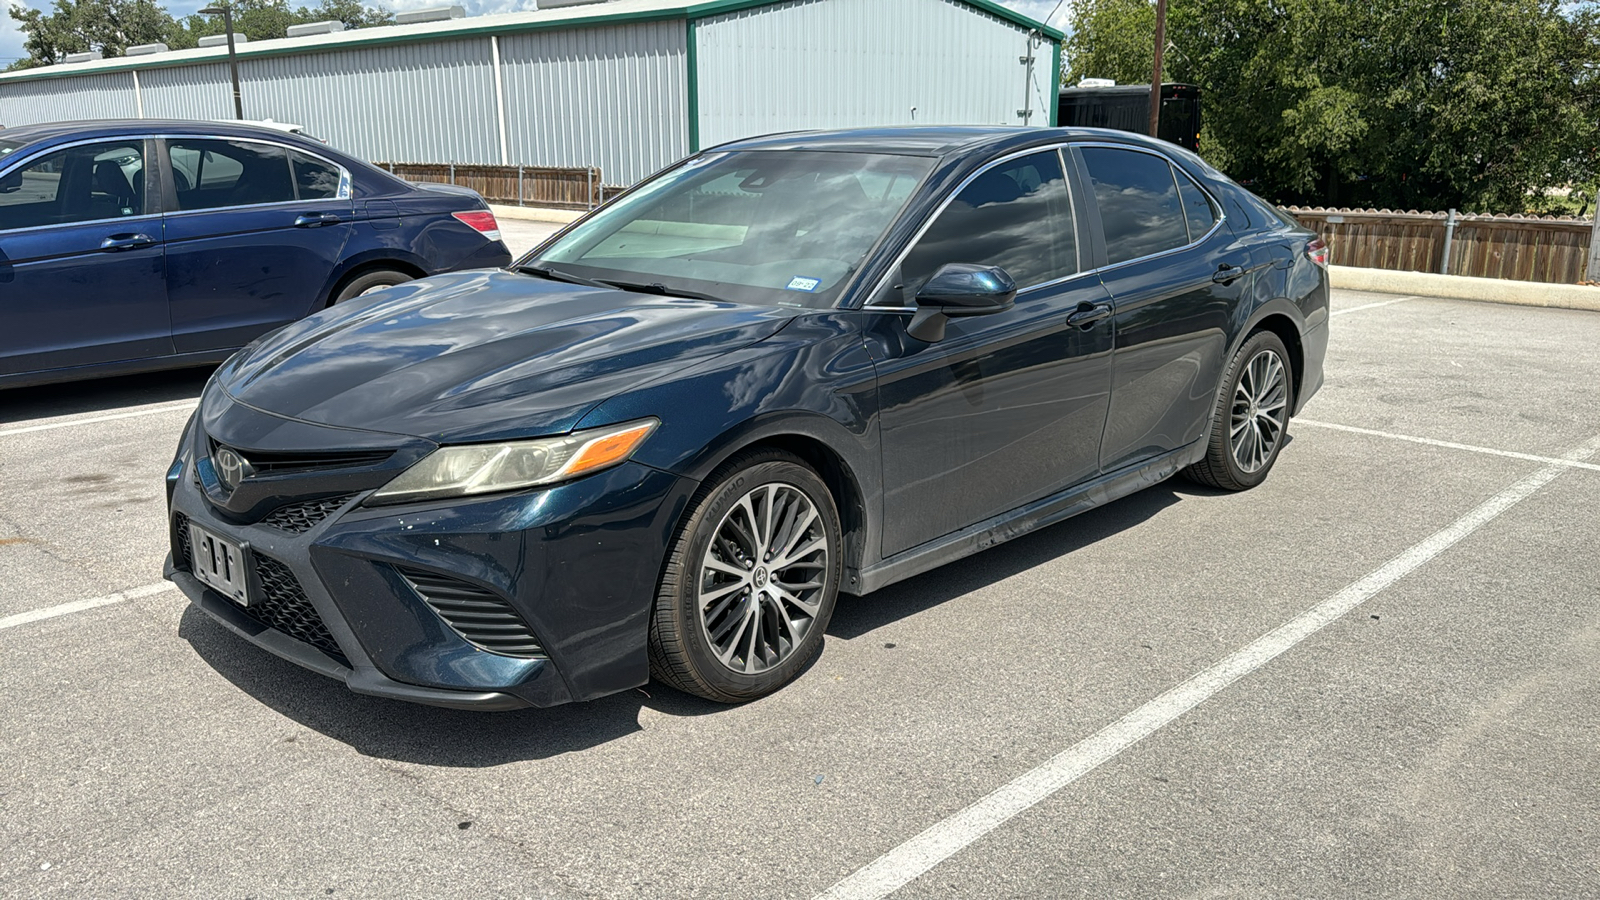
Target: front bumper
[{"x": 576, "y": 564}]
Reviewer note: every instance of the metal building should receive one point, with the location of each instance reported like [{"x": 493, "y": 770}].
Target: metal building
[{"x": 625, "y": 85}]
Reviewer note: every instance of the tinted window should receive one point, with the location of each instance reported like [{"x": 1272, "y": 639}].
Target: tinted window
[
  {"x": 1138, "y": 199},
  {"x": 79, "y": 184},
  {"x": 1197, "y": 208},
  {"x": 211, "y": 173},
  {"x": 1017, "y": 215},
  {"x": 313, "y": 178}
]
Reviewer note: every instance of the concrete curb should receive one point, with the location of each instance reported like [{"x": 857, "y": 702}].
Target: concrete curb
[
  {"x": 1461, "y": 287},
  {"x": 536, "y": 213}
]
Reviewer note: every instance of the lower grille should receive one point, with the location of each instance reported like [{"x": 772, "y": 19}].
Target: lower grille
[
  {"x": 181, "y": 554},
  {"x": 484, "y": 619},
  {"x": 298, "y": 518},
  {"x": 283, "y": 604}
]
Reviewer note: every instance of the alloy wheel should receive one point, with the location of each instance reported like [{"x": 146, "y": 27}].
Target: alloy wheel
[
  {"x": 762, "y": 577},
  {"x": 1260, "y": 411}
]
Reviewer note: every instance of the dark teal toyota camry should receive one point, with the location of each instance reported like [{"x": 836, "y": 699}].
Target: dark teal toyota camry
[{"x": 662, "y": 443}]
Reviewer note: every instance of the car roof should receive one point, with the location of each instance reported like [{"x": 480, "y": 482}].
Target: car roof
[
  {"x": 931, "y": 140},
  {"x": 107, "y": 127}
]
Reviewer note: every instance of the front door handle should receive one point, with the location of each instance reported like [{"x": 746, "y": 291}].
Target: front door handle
[
  {"x": 119, "y": 242},
  {"x": 1088, "y": 314},
  {"x": 316, "y": 221},
  {"x": 1227, "y": 274}
]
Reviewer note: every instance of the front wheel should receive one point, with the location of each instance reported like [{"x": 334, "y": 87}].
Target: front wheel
[
  {"x": 1252, "y": 416},
  {"x": 750, "y": 581}
]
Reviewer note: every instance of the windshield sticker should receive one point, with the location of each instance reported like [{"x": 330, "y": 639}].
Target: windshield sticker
[{"x": 802, "y": 283}]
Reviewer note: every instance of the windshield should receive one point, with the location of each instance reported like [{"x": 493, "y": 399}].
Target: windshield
[{"x": 766, "y": 227}]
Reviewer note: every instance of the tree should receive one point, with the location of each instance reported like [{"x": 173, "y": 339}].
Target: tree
[
  {"x": 1110, "y": 39},
  {"x": 1425, "y": 104},
  {"x": 263, "y": 20}
]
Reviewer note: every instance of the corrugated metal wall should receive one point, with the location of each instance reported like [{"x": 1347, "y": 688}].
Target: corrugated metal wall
[
  {"x": 187, "y": 92},
  {"x": 613, "y": 97},
  {"x": 107, "y": 96},
  {"x": 844, "y": 63}
]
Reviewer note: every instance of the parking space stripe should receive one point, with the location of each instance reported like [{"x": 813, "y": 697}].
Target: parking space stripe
[
  {"x": 911, "y": 859},
  {"x": 1450, "y": 445},
  {"x": 49, "y": 426},
  {"x": 1340, "y": 312},
  {"x": 77, "y": 606}
]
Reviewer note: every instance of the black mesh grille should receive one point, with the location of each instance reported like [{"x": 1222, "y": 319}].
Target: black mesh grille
[
  {"x": 484, "y": 619},
  {"x": 298, "y": 518},
  {"x": 283, "y": 604},
  {"x": 181, "y": 554}
]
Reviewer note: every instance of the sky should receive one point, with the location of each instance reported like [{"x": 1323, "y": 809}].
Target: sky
[{"x": 11, "y": 39}]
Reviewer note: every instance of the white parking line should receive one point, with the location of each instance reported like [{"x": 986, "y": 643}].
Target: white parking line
[
  {"x": 906, "y": 862},
  {"x": 76, "y": 606},
  {"x": 1340, "y": 312},
  {"x": 1451, "y": 445},
  {"x": 48, "y": 426}
]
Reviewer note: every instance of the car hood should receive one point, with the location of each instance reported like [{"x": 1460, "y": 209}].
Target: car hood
[{"x": 482, "y": 355}]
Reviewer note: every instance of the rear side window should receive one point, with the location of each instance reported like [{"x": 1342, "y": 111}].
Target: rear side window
[
  {"x": 1198, "y": 210},
  {"x": 313, "y": 178},
  {"x": 1016, "y": 215},
  {"x": 1139, "y": 204},
  {"x": 79, "y": 184},
  {"x": 208, "y": 174}
]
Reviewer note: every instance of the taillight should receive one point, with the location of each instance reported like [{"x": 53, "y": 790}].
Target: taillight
[
  {"x": 1317, "y": 252},
  {"x": 481, "y": 221}
]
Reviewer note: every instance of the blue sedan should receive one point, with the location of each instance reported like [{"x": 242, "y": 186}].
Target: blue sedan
[
  {"x": 665, "y": 441},
  {"x": 134, "y": 245}
]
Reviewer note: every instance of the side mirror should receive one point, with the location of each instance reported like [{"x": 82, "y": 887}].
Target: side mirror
[
  {"x": 11, "y": 183},
  {"x": 960, "y": 289}
]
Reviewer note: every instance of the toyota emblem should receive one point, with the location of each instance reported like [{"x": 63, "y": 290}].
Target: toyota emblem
[{"x": 231, "y": 467}]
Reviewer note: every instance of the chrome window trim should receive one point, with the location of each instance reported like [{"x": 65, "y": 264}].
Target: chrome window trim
[
  {"x": 346, "y": 191},
  {"x": 956, "y": 192},
  {"x": 46, "y": 151},
  {"x": 1061, "y": 148}
]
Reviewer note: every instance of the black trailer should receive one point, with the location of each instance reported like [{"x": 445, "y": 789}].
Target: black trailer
[{"x": 1126, "y": 107}]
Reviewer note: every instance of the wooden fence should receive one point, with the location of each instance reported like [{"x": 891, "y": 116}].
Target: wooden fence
[
  {"x": 566, "y": 188},
  {"x": 1520, "y": 248}
]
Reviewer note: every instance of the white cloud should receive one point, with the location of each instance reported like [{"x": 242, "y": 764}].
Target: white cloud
[{"x": 10, "y": 38}]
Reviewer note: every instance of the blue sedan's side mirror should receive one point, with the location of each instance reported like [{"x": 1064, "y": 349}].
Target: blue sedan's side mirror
[
  {"x": 11, "y": 183},
  {"x": 960, "y": 289}
]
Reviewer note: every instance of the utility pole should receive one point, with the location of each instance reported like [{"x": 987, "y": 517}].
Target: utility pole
[
  {"x": 1155, "y": 78},
  {"x": 226, "y": 12}
]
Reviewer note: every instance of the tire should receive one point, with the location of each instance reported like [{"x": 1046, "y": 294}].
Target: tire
[
  {"x": 369, "y": 281},
  {"x": 721, "y": 628},
  {"x": 1251, "y": 418}
]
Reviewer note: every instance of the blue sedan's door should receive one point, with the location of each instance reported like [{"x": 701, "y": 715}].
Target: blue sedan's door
[
  {"x": 1009, "y": 407},
  {"x": 253, "y": 238},
  {"x": 82, "y": 276}
]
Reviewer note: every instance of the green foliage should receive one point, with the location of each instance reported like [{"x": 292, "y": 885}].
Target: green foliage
[
  {"x": 1110, "y": 39},
  {"x": 1425, "y": 104},
  {"x": 111, "y": 26}
]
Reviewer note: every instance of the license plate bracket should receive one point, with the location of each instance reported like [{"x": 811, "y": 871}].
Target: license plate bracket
[{"x": 220, "y": 564}]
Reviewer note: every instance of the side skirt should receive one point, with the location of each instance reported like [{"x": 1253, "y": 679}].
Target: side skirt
[{"x": 1038, "y": 514}]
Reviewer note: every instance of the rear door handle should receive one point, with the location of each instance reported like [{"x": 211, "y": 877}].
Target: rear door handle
[
  {"x": 316, "y": 221},
  {"x": 1088, "y": 314},
  {"x": 119, "y": 242},
  {"x": 1227, "y": 274}
]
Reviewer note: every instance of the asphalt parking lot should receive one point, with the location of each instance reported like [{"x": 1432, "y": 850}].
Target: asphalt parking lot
[{"x": 1376, "y": 675}]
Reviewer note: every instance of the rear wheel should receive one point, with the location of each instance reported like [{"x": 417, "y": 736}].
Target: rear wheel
[
  {"x": 1252, "y": 416},
  {"x": 750, "y": 581},
  {"x": 367, "y": 282}
]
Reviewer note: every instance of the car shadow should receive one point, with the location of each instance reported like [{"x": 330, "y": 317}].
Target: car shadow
[
  {"x": 94, "y": 395},
  {"x": 425, "y": 735}
]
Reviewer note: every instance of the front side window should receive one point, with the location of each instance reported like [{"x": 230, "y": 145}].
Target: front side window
[
  {"x": 1016, "y": 215},
  {"x": 767, "y": 227},
  {"x": 79, "y": 184},
  {"x": 208, "y": 174},
  {"x": 1139, "y": 206}
]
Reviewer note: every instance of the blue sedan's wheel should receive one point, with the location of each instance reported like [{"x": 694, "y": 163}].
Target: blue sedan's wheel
[{"x": 750, "y": 583}]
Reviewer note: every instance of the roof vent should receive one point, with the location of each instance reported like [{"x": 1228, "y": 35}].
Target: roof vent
[
  {"x": 557, "y": 4},
  {"x": 1097, "y": 82},
  {"x": 146, "y": 49},
  {"x": 87, "y": 56},
  {"x": 221, "y": 40},
  {"x": 328, "y": 27},
  {"x": 431, "y": 14}
]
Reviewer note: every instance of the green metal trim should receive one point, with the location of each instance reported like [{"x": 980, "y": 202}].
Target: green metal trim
[
  {"x": 692, "y": 59},
  {"x": 690, "y": 11},
  {"x": 1055, "y": 86}
]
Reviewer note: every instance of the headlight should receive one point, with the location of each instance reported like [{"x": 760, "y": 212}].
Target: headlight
[{"x": 490, "y": 468}]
